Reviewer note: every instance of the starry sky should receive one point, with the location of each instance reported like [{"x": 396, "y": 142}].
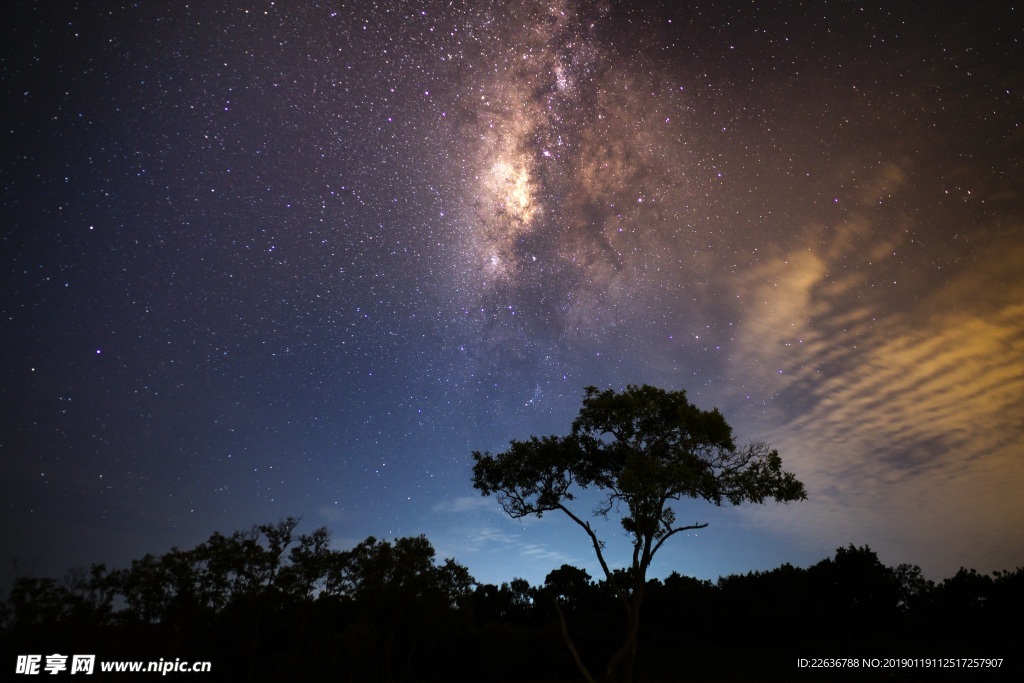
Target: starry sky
[{"x": 268, "y": 259}]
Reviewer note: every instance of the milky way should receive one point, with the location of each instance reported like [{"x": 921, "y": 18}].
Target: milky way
[
  {"x": 302, "y": 260},
  {"x": 545, "y": 195},
  {"x": 573, "y": 180}
]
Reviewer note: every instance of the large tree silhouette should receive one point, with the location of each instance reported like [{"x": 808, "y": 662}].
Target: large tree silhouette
[{"x": 644, "y": 449}]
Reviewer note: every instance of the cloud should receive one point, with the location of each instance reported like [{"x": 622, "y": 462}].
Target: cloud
[
  {"x": 493, "y": 541},
  {"x": 331, "y": 513},
  {"x": 485, "y": 535},
  {"x": 903, "y": 422},
  {"x": 541, "y": 553},
  {"x": 494, "y": 550},
  {"x": 465, "y": 504},
  {"x": 490, "y": 540}
]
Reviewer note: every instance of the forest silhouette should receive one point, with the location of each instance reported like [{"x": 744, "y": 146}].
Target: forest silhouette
[{"x": 270, "y": 604}]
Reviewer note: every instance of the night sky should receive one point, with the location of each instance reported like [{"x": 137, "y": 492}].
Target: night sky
[{"x": 277, "y": 259}]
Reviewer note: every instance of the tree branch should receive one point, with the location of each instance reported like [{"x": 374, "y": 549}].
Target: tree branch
[
  {"x": 675, "y": 531},
  {"x": 597, "y": 549}
]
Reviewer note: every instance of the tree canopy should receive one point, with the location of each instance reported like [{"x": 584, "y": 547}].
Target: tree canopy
[
  {"x": 268, "y": 604},
  {"x": 645, "y": 449}
]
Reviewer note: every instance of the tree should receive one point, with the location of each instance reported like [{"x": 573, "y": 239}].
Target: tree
[
  {"x": 855, "y": 594},
  {"x": 401, "y": 598},
  {"x": 645, "y": 449}
]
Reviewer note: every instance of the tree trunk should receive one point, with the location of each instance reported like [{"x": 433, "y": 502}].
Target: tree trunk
[
  {"x": 568, "y": 642},
  {"x": 620, "y": 667}
]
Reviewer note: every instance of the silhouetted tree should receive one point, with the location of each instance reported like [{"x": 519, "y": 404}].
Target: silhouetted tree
[
  {"x": 961, "y": 608},
  {"x": 570, "y": 588},
  {"x": 855, "y": 593},
  {"x": 645, "y": 449},
  {"x": 913, "y": 588},
  {"x": 402, "y": 598},
  {"x": 509, "y": 634}
]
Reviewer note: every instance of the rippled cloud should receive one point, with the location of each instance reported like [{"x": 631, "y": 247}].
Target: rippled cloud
[{"x": 903, "y": 419}]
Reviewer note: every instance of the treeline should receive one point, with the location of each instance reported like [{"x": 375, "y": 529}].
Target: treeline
[{"x": 270, "y": 604}]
